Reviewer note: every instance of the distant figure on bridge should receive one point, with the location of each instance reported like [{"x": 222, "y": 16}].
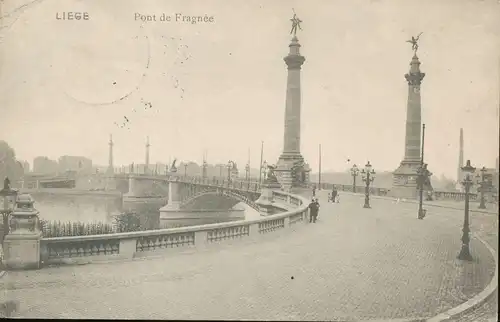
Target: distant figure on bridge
[
  {"x": 333, "y": 195},
  {"x": 314, "y": 191}
]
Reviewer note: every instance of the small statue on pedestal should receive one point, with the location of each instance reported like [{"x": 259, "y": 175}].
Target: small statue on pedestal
[
  {"x": 271, "y": 177},
  {"x": 172, "y": 167}
]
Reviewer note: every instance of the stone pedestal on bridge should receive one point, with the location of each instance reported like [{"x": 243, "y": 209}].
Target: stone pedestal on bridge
[
  {"x": 174, "y": 197},
  {"x": 265, "y": 201},
  {"x": 22, "y": 244}
]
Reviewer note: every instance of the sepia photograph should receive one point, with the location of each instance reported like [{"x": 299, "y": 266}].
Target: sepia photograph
[{"x": 280, "y": 160}]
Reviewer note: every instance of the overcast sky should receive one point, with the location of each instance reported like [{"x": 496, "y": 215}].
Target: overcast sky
[{"x": 221, "y": 86}]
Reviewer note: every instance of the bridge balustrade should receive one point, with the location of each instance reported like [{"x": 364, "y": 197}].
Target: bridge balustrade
[
  {"x": 443, "y": 195},
  {"x": 85, "y": 249}
]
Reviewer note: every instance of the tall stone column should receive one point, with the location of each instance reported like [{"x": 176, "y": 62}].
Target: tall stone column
[
  {"x": 110, "y": 180},
  {"x": 405, "y": 176},
  {"x": 110, "y": 158},
  {"x": 291, "y": 141}
]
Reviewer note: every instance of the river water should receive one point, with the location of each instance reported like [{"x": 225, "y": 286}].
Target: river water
[{"x": 92, "y": 209}]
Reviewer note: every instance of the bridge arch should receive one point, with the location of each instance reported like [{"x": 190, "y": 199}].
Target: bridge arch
[{"x": 217, "y": 199}]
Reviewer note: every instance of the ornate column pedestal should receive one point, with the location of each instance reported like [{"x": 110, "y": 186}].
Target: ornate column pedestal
[
  {"x": 405, "y": 180},
  {"x": 22, "y": 244},
  {"x": 265, "y": 201},
  {"x": 131, "y": 186},
  {"x": 174, "y": 197}
]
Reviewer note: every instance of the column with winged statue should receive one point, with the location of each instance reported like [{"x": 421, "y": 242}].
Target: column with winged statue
[
  {"x": 405, "y": 176},
  {"x": 291, "y": 157}
]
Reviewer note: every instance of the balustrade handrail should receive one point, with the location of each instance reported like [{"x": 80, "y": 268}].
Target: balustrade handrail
[
  {"x": 302, "y": 206},
  {"x": 456, "y": 195}
]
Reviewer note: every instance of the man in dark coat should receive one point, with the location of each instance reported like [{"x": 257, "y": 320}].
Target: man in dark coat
[
  {"x": 317, "y": 209},
  {"x": 313, "y": 210}
]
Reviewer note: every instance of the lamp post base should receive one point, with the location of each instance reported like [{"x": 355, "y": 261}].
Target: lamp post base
[
  {"x": 421, "y": 213},
  {"x": 482, "y": 205},
  {"x": 465, "y": 253},
  {"x": 366, "y": 205}
]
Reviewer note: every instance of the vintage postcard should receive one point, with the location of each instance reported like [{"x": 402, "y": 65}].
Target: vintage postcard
[{"x": 249, "y": 160}]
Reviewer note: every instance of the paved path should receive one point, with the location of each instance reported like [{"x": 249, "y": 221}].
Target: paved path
[{"x": 354, "y": 263}]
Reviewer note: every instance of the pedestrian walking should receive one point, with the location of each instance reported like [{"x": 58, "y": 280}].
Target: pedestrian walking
[
  {"x": 314, "y": 191},
  {"x": 313, "y": 211},
  {"x": 334, "y": 194},
  {"x": 316, "y": 201}
]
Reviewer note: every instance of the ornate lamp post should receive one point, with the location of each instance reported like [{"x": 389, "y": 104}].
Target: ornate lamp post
[
  {"x": 467, "y": 182},
  {"x": 368, "y": 175},
  {"x": 482, "y": 187},
  {"x": 9, "y": 197},
  {"x": 354, "y": 174},
  {"x": 263, "y": 170},
  {"x": 423, "y": 174},
  {"x": 204, "y": 169},
  {"x": 247, "y": 172},
  {"x": 185, "y": 169},
  {"x": 229, "y": 167}
]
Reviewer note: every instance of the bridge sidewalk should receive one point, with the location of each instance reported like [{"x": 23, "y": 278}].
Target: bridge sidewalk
[{"x": 354, "y": 263}]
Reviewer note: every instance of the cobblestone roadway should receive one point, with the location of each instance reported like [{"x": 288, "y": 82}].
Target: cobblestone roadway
[{"x": 354, "y": 263}]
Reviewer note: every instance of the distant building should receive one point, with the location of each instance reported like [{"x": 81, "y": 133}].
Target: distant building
[
  {"x": 26, "y": 166},
  {"x": 44, "y": 165},
  {"x": 78, "y": 164}
]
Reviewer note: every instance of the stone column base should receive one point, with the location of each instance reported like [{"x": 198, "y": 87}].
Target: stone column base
[
  {"x": 22, "y": 251},
  {"x": 171, "y": 207},
  {"x": 404, "y": 183},
  {"x": 265, "y": 201}
]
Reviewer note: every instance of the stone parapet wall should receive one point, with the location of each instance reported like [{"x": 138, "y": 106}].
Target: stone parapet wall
[{"x": 85, "y": 249}]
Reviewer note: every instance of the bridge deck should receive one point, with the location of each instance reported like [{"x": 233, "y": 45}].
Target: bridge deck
[{"x": 353, "y": 263}]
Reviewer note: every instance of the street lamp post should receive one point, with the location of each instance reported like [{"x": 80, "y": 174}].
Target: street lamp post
[
  {"x": 368, "y": 175},
  {"x": 423, "y": 174},
  {"x": 9, "y": 197},
  {"x": 354, "y": 174},
  {"x": 229, "y": 167},
  {"x": 467, "y": 182},
  {"x": 204, "y": 170},
  {"x": 482, "y": 187},
  {"x": 263, "y": 169},
  {"x": 185, "y": 169},
  {"x": 247, "y": 172}
]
